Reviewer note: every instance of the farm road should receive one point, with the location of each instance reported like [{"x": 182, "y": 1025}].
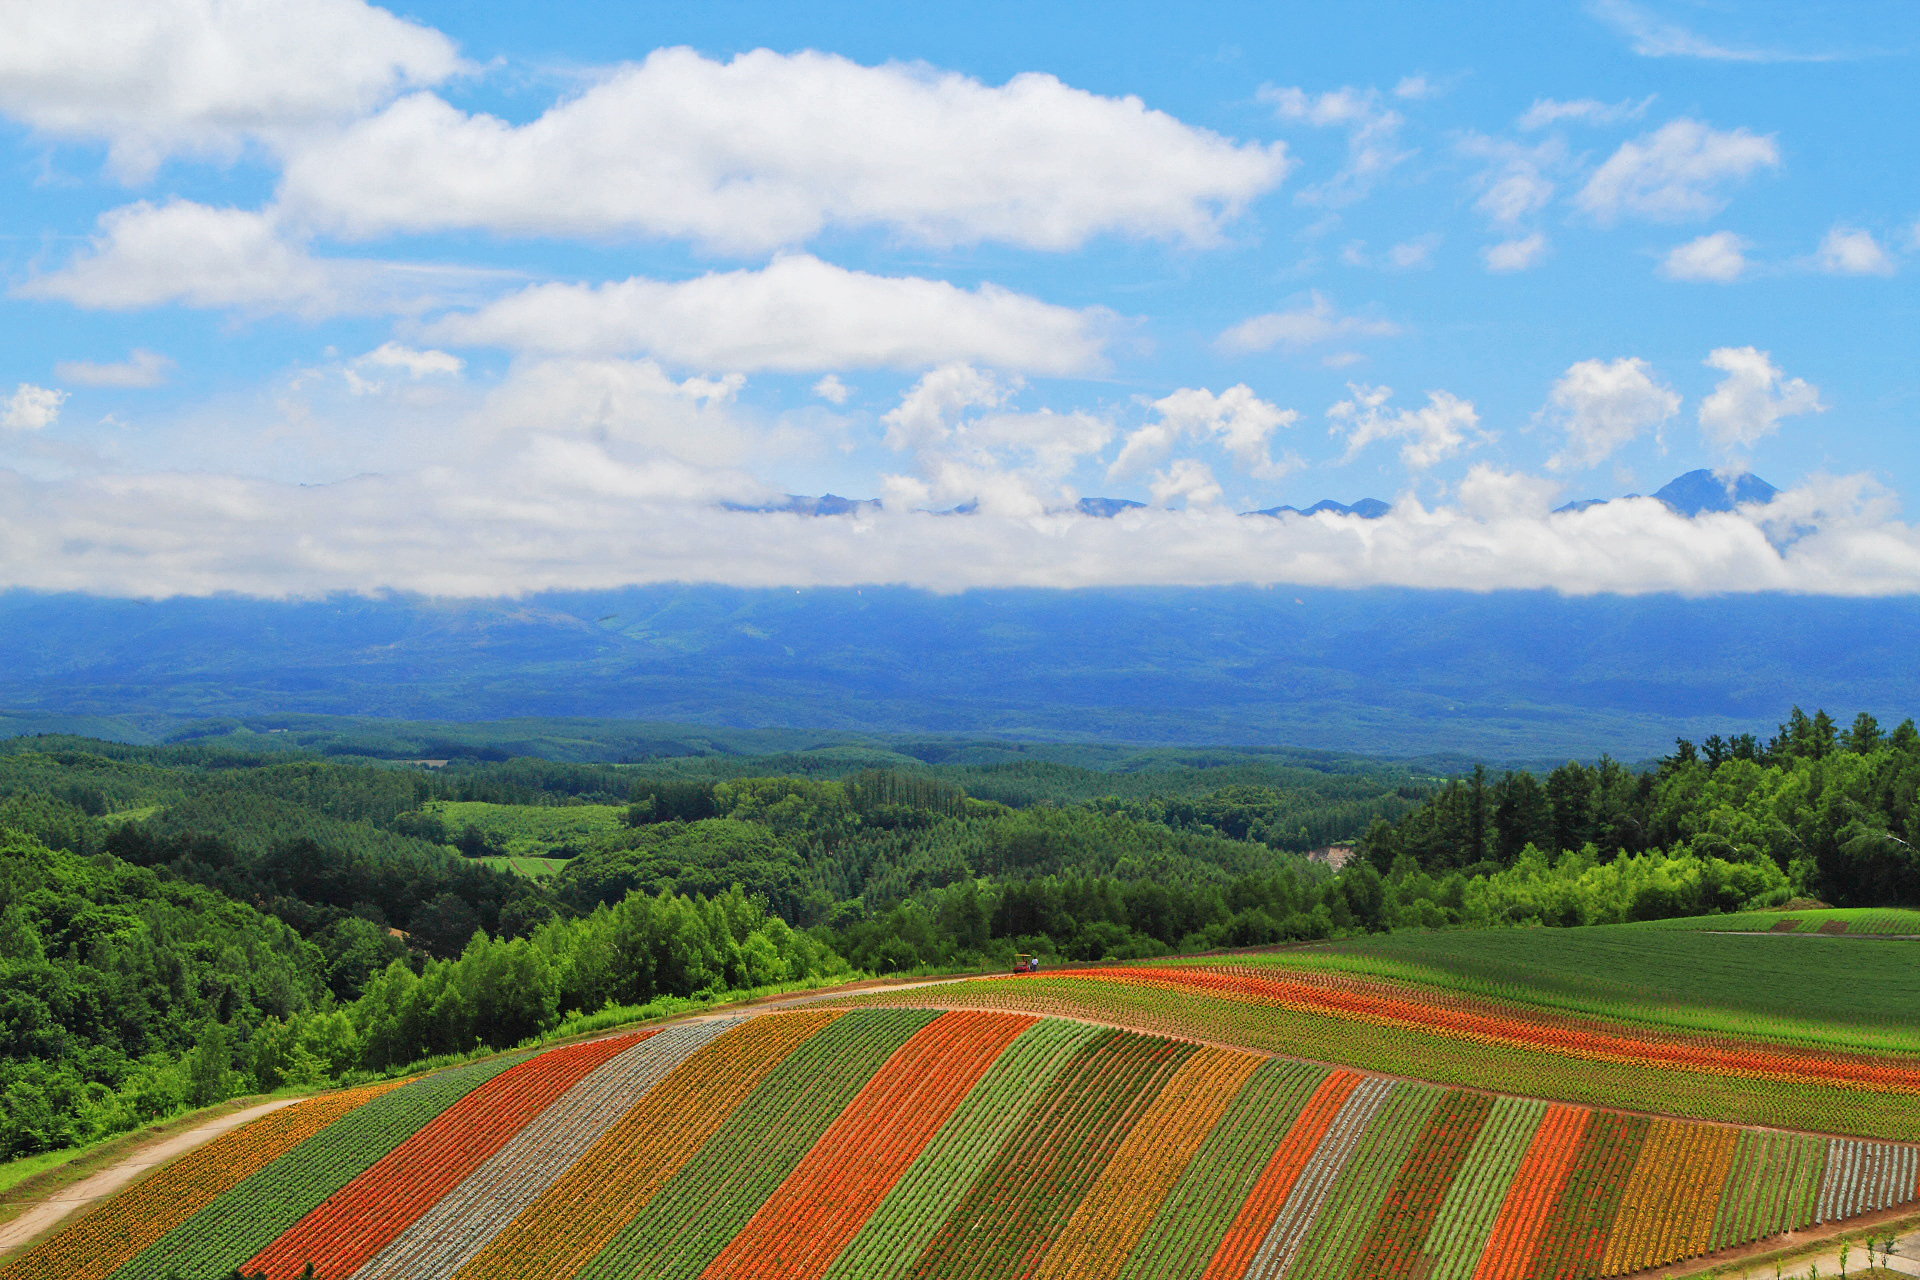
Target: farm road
[{"x": 111, "y": 1179}]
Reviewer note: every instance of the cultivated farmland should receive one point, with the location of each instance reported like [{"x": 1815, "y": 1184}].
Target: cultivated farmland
[{"x": 907, "y": 1141}]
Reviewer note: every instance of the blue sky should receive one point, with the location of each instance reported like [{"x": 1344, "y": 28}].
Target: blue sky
[{"x": 321, "y": 297}]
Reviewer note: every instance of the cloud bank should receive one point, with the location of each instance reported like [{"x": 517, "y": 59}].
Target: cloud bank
[
  {"x": 768, "y": 150},
  {"x": 575, "y": 518}
]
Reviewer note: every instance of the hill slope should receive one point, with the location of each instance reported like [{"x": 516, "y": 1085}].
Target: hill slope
[{"x": 895, "y": 1142}]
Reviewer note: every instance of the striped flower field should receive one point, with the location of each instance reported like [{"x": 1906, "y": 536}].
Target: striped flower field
[
  {"x": 896, "y": 1143},
  {"x": 1381, "y": 1026}
]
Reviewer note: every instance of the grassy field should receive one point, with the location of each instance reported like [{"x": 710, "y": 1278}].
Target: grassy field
[
  {"x": 1813, "y": 990},
  {"x": 531, "y": 831},
  {"x": 531, "y": 868}
]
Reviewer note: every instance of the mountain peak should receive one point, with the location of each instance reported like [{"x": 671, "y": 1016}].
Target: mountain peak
[
  {"x": 1698, "y": 491},
  {"x": 1706, "y": 490}
]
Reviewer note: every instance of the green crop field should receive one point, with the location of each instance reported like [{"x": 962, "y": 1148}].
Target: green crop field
[{"x": 1858, "y": 922}]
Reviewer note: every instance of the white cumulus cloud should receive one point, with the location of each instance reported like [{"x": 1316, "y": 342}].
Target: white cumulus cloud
[
  {"x": 1436, "y": 431},
  {"x": 1719, "y": 258},
  {"x": 1602, "y": 405},
  {"x": 798, "y": 314},
  {"x": 1187, "y": 481},
  {"x": 1676, "y": 173},
  {"x": 1237, "y": 419},
  {"x": 31, "y": 408},
  {"x": 1748, "y": 404},
  {"x": 156, "y": 77},
  {"x": 1313, "y": 322},
  {"x": 1849, "y": 251},
  {"x": 770, "y": 149}
]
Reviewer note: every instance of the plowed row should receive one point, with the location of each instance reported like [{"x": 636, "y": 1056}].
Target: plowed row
[{"x": 891, "y": 1143}]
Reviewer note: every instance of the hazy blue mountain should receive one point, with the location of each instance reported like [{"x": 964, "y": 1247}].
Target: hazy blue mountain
[
  {"x": 1698, "y": 491},
  {"x": 1366, "y": 509},
  {"x": 1505, "y": 674},
  {"x": 800, "y": 504},
  {"x": 1704, "y": 490},
  {"x": 1106, "y": 508}
]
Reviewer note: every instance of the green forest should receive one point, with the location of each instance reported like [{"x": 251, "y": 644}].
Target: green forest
[{"x": 184, "y": 924}]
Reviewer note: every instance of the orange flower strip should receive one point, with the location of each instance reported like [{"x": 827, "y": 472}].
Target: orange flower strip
[
  {"x": 1671, "y": 1199},
  {"x": 586, "y": 1207},
  {"x": 1256, "y": 1217},
  {"x": 1543, "y": 1172},
  {"x": 802, "y": 1227},
  {"x": 106, "y": 1239},
  {"x": 1575, "y": 1242},
  {"x": 364, "y": 1216},
  {"x": 1107, "y": 1224},
  {"x": 1487, "y": 1027}
]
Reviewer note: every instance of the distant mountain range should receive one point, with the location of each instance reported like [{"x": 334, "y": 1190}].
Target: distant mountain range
[
  {"x": 1690, "y": 495},
  {"x": 1505, "y": 675}
]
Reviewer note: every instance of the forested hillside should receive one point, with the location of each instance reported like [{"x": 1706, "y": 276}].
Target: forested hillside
[
  {"x": 183, "y": 924},
  {"x": 1838, "y": 811}
]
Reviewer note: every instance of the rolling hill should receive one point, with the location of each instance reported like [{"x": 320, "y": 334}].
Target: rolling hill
[{"x": 959, "y": 1130}]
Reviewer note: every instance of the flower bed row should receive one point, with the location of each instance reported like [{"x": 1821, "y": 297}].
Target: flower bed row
[
  {"x": 99, "y": 1243},
  {"x": 438, "y": 1243},
  {"x": 1023, "y": 1198},
  {"x": 1194, "y": 1219},
  {"x": 693, "y": 1215},
  {"x": 1851, "y": 1071},
  {"x": 586, "y": 1207},
  {"x": 254, "y": 1213},
  {"x": 1191, "y": 1010},
  {"x": 798, "y": 1230},
  {"x": 1109, "y": 1221},
  {"x": 365, "y": 1216},
  {"x": 899, "y": 1230}
]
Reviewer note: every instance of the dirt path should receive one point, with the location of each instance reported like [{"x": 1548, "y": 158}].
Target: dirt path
[{"x": 99, "y": 1186}]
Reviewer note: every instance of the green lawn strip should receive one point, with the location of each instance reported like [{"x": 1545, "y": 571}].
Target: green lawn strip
[
  {"x": 1353, "y": 1202},
  {"x": 251, "y": 1215},
  {"x": 1193, "y": 1219},
  {"x": 1582, "y": 1217},
  {"x": 1460, "y": 1229},
  {"x": 1393, "y": 1246},
  {"x": 690, "y": 1220},
  {"x": 1403, "y": 1051},
  {"x": 1016, "y": 1209},
  {"x": 1771, "y": 1187},
  {"x": 890, "y": 1240}
]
